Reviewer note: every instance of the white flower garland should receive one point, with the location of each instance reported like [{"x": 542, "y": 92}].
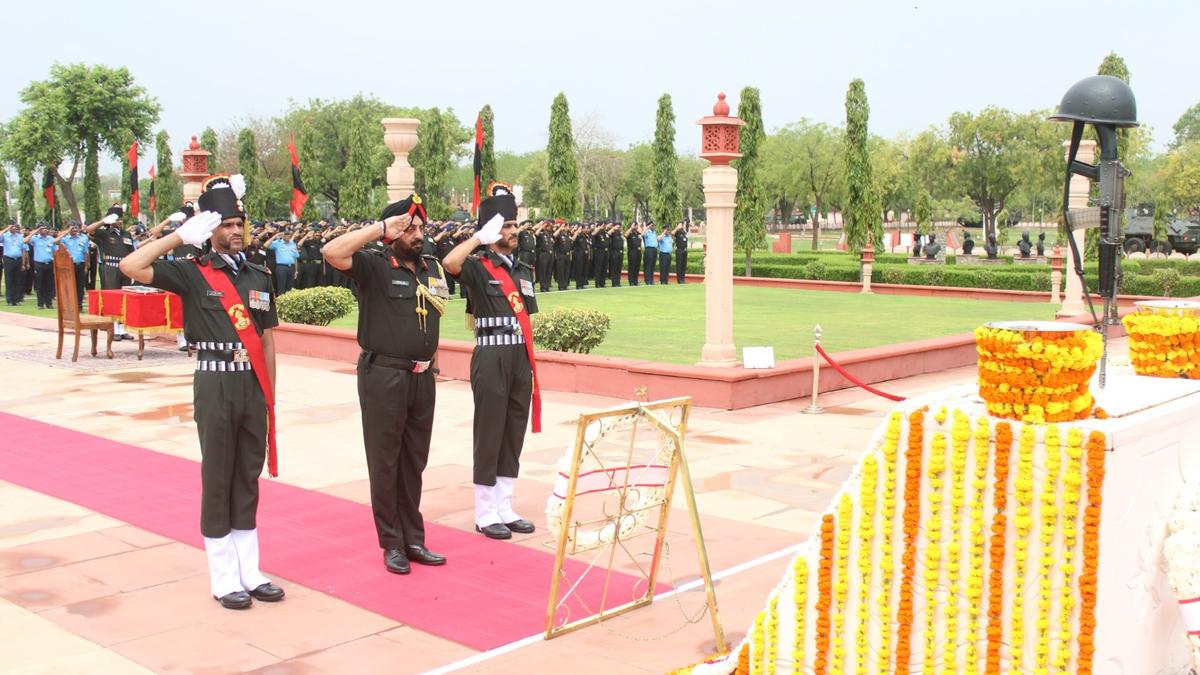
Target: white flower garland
[{"x": 1180, "y": 548}]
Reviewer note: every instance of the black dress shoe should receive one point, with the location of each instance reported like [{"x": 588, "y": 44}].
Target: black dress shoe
[
  {"x": 235, "y": 600},
  {"x": 423, "y": 556},
  {"x": 495, "y": 531},
  {"x": 395, "y": 562},
  {"x": 267, "y": 592},
  {"x": 520, "y": 526}
]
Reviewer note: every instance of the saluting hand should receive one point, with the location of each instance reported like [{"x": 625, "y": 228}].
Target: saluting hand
[
  {"x": 199, "y": 227},
  {"x": 395, "y": 226},
  {"x": 490, "y": 233}
]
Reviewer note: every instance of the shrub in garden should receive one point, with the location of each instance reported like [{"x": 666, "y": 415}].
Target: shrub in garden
[
  {"x": 314, "y": 306},
  {"x": 815, "y": 270},
  {"x": 570, "y": 330}
]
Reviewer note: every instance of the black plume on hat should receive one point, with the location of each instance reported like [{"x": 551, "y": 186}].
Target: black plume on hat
[
  {"x": 115, "y": 209},
  {"x": 500, "y": 201},
  {"x": 412, "y": 206},
  {"x": 217, "y": 195}
]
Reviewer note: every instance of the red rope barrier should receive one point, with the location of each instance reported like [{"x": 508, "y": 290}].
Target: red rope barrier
[{"x": 854, "y": 380}]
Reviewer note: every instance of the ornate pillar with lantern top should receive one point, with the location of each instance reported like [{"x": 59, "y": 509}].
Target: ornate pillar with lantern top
[
  {"x": 195, "y": 170},
  {"x": 400, "y": 136},
  {"x": 719, "y": 145}
]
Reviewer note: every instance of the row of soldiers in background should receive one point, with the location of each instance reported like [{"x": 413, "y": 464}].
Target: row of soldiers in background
[{"x": 557, "y": 253}]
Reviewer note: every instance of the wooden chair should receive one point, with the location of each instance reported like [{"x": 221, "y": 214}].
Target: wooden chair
[{"x": 69, "y": 316}]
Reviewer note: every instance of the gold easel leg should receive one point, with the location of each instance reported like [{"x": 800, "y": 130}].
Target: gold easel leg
[{"x": 705, "y": 569}]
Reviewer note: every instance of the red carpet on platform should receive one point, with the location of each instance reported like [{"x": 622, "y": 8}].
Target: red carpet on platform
[{"x": 488, "y": 594}]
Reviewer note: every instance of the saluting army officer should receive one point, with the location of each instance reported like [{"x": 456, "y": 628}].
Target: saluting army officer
[
  {"x": 503, "y": 371},
  {"x": 113, "y": 243},
  {"x": 228, "y": 314},
  {"x": 401, "y": 297}
]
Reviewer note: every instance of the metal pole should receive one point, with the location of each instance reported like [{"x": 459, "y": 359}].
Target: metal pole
[{"x": 814, "y": 408}]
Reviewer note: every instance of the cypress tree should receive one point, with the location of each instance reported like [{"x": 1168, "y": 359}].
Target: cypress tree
[
  {"x": 664, "y": 200},
  {"x": 91, "y": 182},
  {"x": 435, "y": 165},
  {"x": 562, "y": 166},
  {"x": 168, "y": 191},
  {"x": 25, "y": 188},
  {"x": 5, "y": 213},
  {"x": 749, "y": 230},
  {"x": 248, "y": 167},
  {"x": 208, "y": 141},
  {"x": 923, "y": 213},
  {"x": 125, "y": 140},
  {"x": 487, "y": 172},
  {"x": 355, "y": 191},
  {"x": 862, "y": 213}
]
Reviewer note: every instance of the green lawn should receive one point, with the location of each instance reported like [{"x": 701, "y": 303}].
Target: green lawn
[{"x": 666, "y": 323}]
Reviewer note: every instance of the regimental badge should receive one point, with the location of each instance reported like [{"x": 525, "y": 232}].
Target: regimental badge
[
  {"x": 514, "y": 301},
  {"x": 260, "y": 300},
  {"x": 526, "y": 287},
  {"x": 237, "y": 314}
]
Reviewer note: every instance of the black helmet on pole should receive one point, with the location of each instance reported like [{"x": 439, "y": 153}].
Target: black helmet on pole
[{"x": 1099, "y": 99}]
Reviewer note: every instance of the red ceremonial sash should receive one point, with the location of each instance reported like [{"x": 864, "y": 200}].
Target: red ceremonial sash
[
  {"x": 239, "y": 316},
  {"x": 518, "y": 307}
]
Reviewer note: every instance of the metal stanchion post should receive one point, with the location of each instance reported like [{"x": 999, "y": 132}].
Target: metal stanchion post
[{"x": 814, "y": 408}]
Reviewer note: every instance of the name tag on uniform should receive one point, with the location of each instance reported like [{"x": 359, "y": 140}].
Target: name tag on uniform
[
  {"x": 493, "y": 282},
  {"x": 215, "y": 294},
  {"x": 526, "y": 287},
  {"x": 399, "y": 282},
  {"x": 260, "y": 300}
]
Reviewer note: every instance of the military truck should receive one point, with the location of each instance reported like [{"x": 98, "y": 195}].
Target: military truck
[{"x": 1183, "y": 235}]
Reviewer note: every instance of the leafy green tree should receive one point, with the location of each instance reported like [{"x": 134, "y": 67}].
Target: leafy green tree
[
  {"x": 1182, "y": 176},
  {"x": 5, "y": 212},
  {"x": 533, "y": 178},
  {"x": 27, "y": 203},
  {"x": 862, "y": 210},
  {"x": 664, "y": 199},
  {"x": 1160, "y": 221},
  {"x": 126, "y": 187},
  {"x": 1187, "y": 128},
  {"x": 690, "y": 172},
  {"x": 432, "y": 180},
  {"x": 357, "y": 179},
  {"x": 487, "y": 172},
  {"x": 77, "y": 112},
  {"x": 637, "y": 180},
  {"x": 987, "y": 154},
  {"x": 1002, "y": 226},
  {"x": 749, "y": 232},
  {"x": 168, "y": 195},
  {"x": 247, "y": 155},
  {"x": 804, "y": 165},
  {"x": 562, "y": 169},
  {"x": 208, "y": 141},
  {"x": 923, "y": 212}
]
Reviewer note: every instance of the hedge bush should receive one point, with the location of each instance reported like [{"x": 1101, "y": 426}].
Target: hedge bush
[
  {"x": 314, "y": 306},
  {"x": 570, "y": 330}
]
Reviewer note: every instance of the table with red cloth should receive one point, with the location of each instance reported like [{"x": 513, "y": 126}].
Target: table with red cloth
[{"x": 153, "y": 311}]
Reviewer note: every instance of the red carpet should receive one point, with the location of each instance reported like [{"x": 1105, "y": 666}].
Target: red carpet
[{"x": 488, "y": 594}]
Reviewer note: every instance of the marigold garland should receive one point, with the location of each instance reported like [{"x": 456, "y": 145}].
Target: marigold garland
[
  {"x": 1038, "y": 379},
  {"x": 995, "y": 629},
  {"x": 866, "y": 537},
  {"x": 772, "y": 647},
  {"x": 1162, "y": 345},
  {"x": 824, "y": 595},
  {"x": 1023, "y": 522},
  {"x": 800, "y": 597},
  {"x": 1091, "y": 552},
  {"x": 756, "y": 644},
  {"x": 887, "y": 519},
  {"x": 912, "y": 520},
  {"x": 841, "y": 586},
  {"x": 1072, "y": 482},
  {"x": 1049, "y": 514},
  {"x": 960, "y": 437},
  {"x": 933, "y": 545},
  {"x": 975, "y": 578}
]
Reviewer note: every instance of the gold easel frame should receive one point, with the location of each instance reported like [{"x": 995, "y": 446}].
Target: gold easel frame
[{"x": 678, "y": 467}]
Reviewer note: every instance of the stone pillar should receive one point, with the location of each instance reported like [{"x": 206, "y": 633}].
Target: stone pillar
[
  {"x": 1056, "y": 268},
  {"x": 867, "y": 259},
  {"x": 195, "y": 170},
  {"x": 1078, "y": 199},
  {"x": 719, "y": 146},
  {"x": 720, "y": 188},
  {"x": 400, "y": 136}
]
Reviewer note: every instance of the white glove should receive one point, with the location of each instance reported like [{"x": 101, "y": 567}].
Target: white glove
[
  {"x": 199, "y": 227},
  {"x": 111, "y": 218},
  {"x": 177, "y": 217},
  {"x": 490, "y": 233}
]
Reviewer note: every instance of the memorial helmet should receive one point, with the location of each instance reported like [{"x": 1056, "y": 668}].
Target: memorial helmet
[{"x": 1099, "y": 99}]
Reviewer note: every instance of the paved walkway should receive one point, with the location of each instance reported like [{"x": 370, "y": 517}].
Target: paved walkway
[{"x": 86, "y": 593}]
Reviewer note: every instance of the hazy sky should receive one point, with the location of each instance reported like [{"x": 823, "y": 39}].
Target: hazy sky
[{"x": 210, "y": 64}]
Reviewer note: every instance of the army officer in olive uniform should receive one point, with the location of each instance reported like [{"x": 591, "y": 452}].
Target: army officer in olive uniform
[
  {"x": 401, "y": 297},
  {"x": 228, "y": 314},
  {"x": 503, "y": 373}
]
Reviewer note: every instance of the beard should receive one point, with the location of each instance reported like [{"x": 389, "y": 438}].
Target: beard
[{"x": 405, "y": 253}]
